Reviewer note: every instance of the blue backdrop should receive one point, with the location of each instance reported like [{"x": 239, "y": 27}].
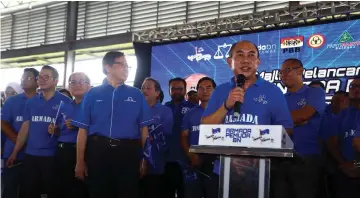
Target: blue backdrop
[{"x": 329, "y": 52}]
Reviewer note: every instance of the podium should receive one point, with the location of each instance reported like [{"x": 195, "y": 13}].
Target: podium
[{"x": 245, "y": 153}]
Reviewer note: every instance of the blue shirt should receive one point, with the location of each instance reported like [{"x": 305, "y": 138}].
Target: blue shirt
[
  {"x": 346, "y": 127},
  {"x": 12, "y": 112},
  {"x": 191, "y": 122},
  {"x": 41, "y": 113},
  {"x": 328, "y": 124},
  {"x": 160, "y": 128},
  {"x": 264, "y": 104},
  {"x": 175, "y": 151},
  {"x": 306, "y": 136},
  {"x": 69, "y": 111},
  {"x": 117, "y": 113}
]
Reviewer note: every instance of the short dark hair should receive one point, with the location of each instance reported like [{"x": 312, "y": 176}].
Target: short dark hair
[
  {"x": 54, "y": 72},
  {"x": 65, "y": 91},
  {"x": 191, "y": 92},
  {"x": 161, "y": 96},
  {"x": 86, "y": 77},
  {"x": 177, "y": 79},
  {"x": 317, "y": 82},
  {"x": 109, "y": 59},
  {"x": 233, "y": 46},
  {"x": 294, "y": 60},
  {"x": 204, "y": 79},
  {"x": 341, "y": 92},
  {"x": 156, "y": 83},
  {"x": 33, "y": 71}
]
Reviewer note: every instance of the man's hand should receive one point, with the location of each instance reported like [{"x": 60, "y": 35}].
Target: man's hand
[
  {"x": 236, "y": 95},
  {"x": 11, "y": 160},
  {"x": 51, "y": 129},
  {"x": 68, "y": 124},
  {"x": 349, "y": 169},
  {"x": 143, "y": 168},
  {"x": 195, "y": 160},
  {"x": 81, "y": 170}
]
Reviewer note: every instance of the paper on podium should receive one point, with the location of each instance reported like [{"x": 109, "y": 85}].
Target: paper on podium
[{"x": 256, "y": 136}]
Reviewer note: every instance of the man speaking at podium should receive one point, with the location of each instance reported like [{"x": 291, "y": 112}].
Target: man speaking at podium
[{"x": 261, "y": 102}]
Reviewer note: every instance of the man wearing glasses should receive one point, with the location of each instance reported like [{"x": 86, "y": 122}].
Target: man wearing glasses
[
  {"x": 112, "y": 129},
  {"x": 173, "y": 174},
  {"x": 67, "y": 185},
  {"x": 11, "y": 120},
  {"x": 39, "y": 112},
  {"x": 306, "y": 106}
]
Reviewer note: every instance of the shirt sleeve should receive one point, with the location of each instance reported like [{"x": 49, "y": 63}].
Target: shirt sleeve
[
  {"x": 27, "y": 113},
  {"x": 280, "y": 113},
  {"x": 316, "y": 100},
  {"x": 216, "y": 100},
  {"x": 357, "y": 133},
  {"x": 167, "y": 120},
  {"x": 6, "y": 114},
  {"x": 334, "y": 127},
  {"x": 83, "y": 118},
  {"x": 145, "y": 118},
  {"x": 185, "y": 122}
]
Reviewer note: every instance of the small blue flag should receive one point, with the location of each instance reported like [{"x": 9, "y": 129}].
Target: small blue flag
[
  {"x": 215, "y": 131},
  {"x": 263, "y": 132},
  {"x": 147, "y": 152}
]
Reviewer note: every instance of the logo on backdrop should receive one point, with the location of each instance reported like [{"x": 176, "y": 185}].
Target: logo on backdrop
[
  {"x": 316, "y": 41},
  {"x": 221, "y": 50},
  {"x": 291, "y": 44},
  {"x": 198, "y": 56},
  {"x": 267, "y": 49},
  {"x": 345, "y": 42}
]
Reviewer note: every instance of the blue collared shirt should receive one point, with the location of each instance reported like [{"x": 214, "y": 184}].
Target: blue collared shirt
[
  {"x": 346, "y": 131},
  {"x": 191, "y": 122},
  {"x": 69, "y": 111},
  {"x": 160, "y": 128},
  {"x": 175, "y": 152},
  {"x": 327, "y": 123},
  {"x": 306, "y": 136},
  {"x": 264, "y": 104},
  {"x": 117, "y": 113},
  {"x": 41, "y": 113},
  {"x": 12, "y": 112}
]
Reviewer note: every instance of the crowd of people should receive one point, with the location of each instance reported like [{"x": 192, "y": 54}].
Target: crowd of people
[{"x": 115, "y": 140}]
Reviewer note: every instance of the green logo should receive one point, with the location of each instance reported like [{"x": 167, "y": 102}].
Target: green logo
[{"x": 346, "y": 37}]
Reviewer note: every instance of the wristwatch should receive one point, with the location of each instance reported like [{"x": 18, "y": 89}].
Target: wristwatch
[{"x": 228, "y": 109}]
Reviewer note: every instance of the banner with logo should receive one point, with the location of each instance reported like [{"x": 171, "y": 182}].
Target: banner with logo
[{"x": 329, "y": 52}]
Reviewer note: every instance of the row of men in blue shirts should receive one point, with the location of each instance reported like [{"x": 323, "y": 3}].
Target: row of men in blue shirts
[{"x": 113, "y": 122}]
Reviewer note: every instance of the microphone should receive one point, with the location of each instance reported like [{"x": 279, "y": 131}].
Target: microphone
[{"x": 240, "y": 81}]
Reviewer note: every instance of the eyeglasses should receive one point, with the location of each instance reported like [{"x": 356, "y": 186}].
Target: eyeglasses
[
  {"x": 44, "y": 78},
  {"x": 288, "y": 70},
  {"x": 80, "y": 82},
  {"x": 27, "y": 78},
  {"x": 354, "y": 86},
  {"x": 122, "y": 65},
  {"x": 207, "y": 89}
]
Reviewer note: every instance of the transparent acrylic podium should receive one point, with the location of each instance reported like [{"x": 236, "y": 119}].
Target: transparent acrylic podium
[{"x": 245, "y": 152}]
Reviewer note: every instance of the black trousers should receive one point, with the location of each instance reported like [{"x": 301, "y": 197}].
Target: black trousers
[
  {"x": 39, "y": 177},
  {"x": 295, "y": 178},
  {"x": 346, "y": 186},
  {"x": 174, "y": 182},
  {"x": 152, "y": 186},
  {"x": 203, "y": 187},
  {"x": 67, "y": 186},
  {"x": 11, "y": 179},
  {"x": 113, "y": 167}
]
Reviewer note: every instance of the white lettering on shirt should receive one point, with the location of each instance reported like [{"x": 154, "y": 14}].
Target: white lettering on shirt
[
  {"x": 195, "y": 128},
  {"x": 302, "y": 102},
  {"x": 129, "y": 99},
  {"x": 19, "y": 119},
  {"x": 184, "y": 110},
  {"x": 350, "y": 133},
  {"x": 245, "y": 118},
  {"x": 42, "y": 119}
]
